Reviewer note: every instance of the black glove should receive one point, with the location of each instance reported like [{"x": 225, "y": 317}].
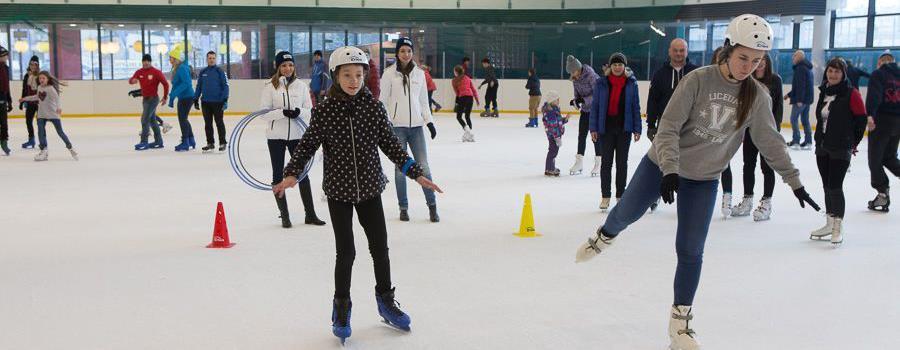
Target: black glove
[
  {"x": 135, "y": 93},
  {"x": 651, "y": 133},
  {"x": 291, "y": 113},
  {"x": 197, "y": 104},
  {"x": 21, "y": 105},
  {"x": 572, "y": 102},
  {"x": 432, "y": 130},
  {"x": 579, "y": 102},
  {"x": 668, "y": 188},
  {"x": 9, "y": 107},
  {"x": 804, "y": 198}
]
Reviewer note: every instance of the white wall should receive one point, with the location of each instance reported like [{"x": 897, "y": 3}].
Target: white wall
[{"x": 109, "y": 97}]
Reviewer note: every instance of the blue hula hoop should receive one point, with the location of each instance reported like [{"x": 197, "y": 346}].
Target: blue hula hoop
[{"x": 234, "y": 151}]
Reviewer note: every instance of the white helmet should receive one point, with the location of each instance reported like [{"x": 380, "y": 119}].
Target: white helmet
[
  {"x": 751, "y": 31},
  {"x": 347, "y": 55}
]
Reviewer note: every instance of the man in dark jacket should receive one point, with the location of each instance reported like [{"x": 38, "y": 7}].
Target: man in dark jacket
[
  {"x": 5, "y": 100},
  {"x": 883, "y": 105},
  {"x": 212, "y": 91},
  {"x": 801, "y": 96},
  {"x": 854, "y": 74},
  {"x": 490, "y": 96},
  {"x": 664, "y": 82}
]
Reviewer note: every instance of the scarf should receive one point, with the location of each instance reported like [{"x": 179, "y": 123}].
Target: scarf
[
  {"x": 616, "y": 86},
  {"x": 405, "y": 71}
]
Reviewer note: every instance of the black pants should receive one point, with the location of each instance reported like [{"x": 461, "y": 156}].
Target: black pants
[
  {"x": 726, "y": 180},
  {"x": 4, "y": 123},
  {"x": 490, "y": 97},
  {"x": 214, "y": 111},
  {"x": 833, "y": 171},
  {"x": 883, "y": 142},
  {"x": 431, "y": 101},
  {"x": 30, "y": 112},
  {"x": 583, "y": 131},
  {"x": 464, "y": 108},
  {"x": 750, "y": 155},
  {"x": 615, "y": 143},
  {"x": 277, "y": 150},
  {"x": 370, "y": 214}
]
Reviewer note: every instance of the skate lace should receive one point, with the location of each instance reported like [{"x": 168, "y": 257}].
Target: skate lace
[
  {"x": 592, "y": 242},
  {"x": 393, "y": 307},
  {"x": 687, "y": 321},
  {"x": 343, "y": 315}
]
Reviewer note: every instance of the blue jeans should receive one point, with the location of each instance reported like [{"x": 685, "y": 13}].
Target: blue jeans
[
  {"x": 42, "y": 132},
  {"x": 803, "y": 114},
  {"x": 415, "y": 138},
  {"x": 148, "y": 120},
  {"x": 184, "y": 109},
  {"x": 696, "y": 201}
]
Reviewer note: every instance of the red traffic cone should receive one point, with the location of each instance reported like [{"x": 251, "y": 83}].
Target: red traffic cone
[{"x": 220, "y": 232}]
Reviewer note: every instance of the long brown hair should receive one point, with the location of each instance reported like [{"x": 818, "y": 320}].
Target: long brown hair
[
  {"x": 768, "y": 71},
  {"x": 51, "y": 80},
  {"x": 747, "y": 93},
  {"x": 276, "y": 82},
  {"x": 460, "y": 73}
]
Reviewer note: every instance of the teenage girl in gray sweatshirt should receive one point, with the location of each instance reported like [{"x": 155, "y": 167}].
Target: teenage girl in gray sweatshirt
[
  {"x": 49, "y": 110},
  {"x": 701, "y": 129}
]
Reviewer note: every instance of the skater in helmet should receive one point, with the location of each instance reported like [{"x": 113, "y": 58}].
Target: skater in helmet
[
  {"x": 701, "y": 129},
  {"x": 466, "y": 94},
  {"x": 404, "y": 93},
  {"x": 290, "y": 99},
  {"x": 616, "y": 118},
  {"x": 584, "y": 79},
  {"x": 490, "y": 96},
  {"x": 49, "y": 111},
  {"x": 555, "y": 127},
  {"x": 352, "y": 126},
  {"x": 840, "y": 125},
  {"x": 883, "y": 105}
]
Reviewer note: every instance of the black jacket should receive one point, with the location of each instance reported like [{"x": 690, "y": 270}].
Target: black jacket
[
  {"x": 776, "y": 92},
  {"x": 351, "y": 130},
  {"x": 533, "y": 85},
  {"x": 883, "y": 98},
  {"x": 662, "y": 85},
  {"x": 846, "y": 123},
  {"x": 854, "y": 74},
  {"x": 802, "y": 83}
]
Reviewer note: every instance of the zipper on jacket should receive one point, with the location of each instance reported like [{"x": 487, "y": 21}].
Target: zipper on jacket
[{"x": 353, "y": 145}]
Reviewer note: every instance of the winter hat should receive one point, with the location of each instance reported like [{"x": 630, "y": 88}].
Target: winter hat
[
  {"x": 282, "y": 57},
  {"x": 147, "y": 58},
  {"x": 550, "y": 96},
  {"x": 404, "y": 41},
  {"x": 886, "y": 53},
  {"x": 34, "y": 59},
  {"x": 178, "y": 52},
  {"x": 3, "y": 51},
  {"x": 618, "y": 57},
  {"x": 572, "y": 64}
]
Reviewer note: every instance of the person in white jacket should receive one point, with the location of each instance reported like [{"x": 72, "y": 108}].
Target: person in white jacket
[
  {"x": 291, "y": 100},
  {"x": 404, "y": 94}
]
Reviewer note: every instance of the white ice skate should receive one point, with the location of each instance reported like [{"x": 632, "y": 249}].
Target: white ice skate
[
  {"x": 596, "y": 171},
  {"x": 166, "y": 127},
  {"x": 74, "y": 154},
  {"x": 595, "y": 244},
  {"x": 576, "y": 168},
  {"x": 726, "y": 205},
  {"x": 824, "y": 231},
  {"x": 764, "y": 210},
  {"x": 468, "y": 136},
  {"x": 681, "y": 336},
  {"x": 837, "y": 232},
  {"x": 604, "y": 204},
  {"x": 744, "y": 207},
  {"x": 42, "y": 156}
]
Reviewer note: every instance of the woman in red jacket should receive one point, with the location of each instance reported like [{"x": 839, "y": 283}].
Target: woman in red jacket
[
  {"x": 465, "y": 94},
  {"x": 432, "y": 87}
]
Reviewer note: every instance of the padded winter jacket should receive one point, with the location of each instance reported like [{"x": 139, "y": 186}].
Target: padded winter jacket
[
  {"x": 802, "y": 84},
  {"x": 845, "y": 124},
  {"x": 407, "y": 106},
  {"x": 295, "y": 95},
  {"x": 351, "y": 130},
  {"x": 212, "y": 85},
  {"x": 600, "y": 104}
]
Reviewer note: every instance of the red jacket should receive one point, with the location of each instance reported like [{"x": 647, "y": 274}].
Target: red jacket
[
  {"x": 373, "y": 81},
  {"x": 466, "y": 88},
  {"x": 150, "y": 78},
  {"x": 429, "y": 82}
]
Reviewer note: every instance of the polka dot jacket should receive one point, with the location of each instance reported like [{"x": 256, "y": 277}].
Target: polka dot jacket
[{"x": 351, "y": 130}]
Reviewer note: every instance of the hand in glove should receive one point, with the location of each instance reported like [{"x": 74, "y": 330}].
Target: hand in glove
[
  {"x": 668, "y": 188},
  {"x": 432, "y": 130},
  {"x": 291, "y": 113},
  {"x": 804, "y": 198},
  {"x": 579, "y": 102},
  {"x": 197, "y": 104},
  {"x": 135, "y": 93},
  {"x": 9, "y": 107},
  {"x": 21, "y": 105},
  {"x": 225, "y": 105},
  {"x": 651, "y": 133}
]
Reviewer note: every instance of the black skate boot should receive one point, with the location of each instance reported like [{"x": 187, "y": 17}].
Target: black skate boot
[
  {"x": 208, "y": 148},
  {"x": 881, "y": 203},
  {"x": 223, "y": 146},
  {"x": 433, "y": 214},
  {"x": 283, "y": 209},
  {"x": 404, "y": 215}
]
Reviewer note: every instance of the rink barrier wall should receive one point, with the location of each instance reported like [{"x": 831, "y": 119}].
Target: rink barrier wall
[{"x": 109, "y": 98}]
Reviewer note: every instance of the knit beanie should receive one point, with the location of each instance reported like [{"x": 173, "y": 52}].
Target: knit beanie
[
  {"x": 282, "y": 57},
  {"x": 550, "y": 96},
  {"x": 34, "y": 59},
  {"x": 618, "y": 57},
  {"x": 405, "y": 42},
  {"x": 147, "y": 58},
  {"x": 572, "y": 64},
  {"x": 3, "y": 51}
]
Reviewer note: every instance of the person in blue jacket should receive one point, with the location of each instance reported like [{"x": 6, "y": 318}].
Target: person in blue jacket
[
  {"x": 212, "y": 91},
  {"x": 615, "y": 119},
  {"x": 183, "y": 90},
  {"x": 801, "y": 97},
  {"x": 318, "y": 78}
]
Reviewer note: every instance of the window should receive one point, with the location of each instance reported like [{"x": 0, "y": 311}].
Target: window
[
  {"x": 122, "y": 47},
  {"x": 887, "y": 7},
  {"x": 850, "y": 32},
  {"x": 697, "y": 37},
  {"x": 28, "y": 40},
  {"x": 203, "y": 39},
  {"x": 245, "y": 61},
  {"x": 853, "y": 8},
  {"x": 784, "y": 34},
  {"x": 718, "y": 32},
  {"x": 887, "y": 31},
  {"x": 77, "y": 56},
  {"x": 295, "y": 39},
  {"x": 160, "y": 40},
  {"x": 806, "y": 33},
  {"x": 367, "y": 39}
]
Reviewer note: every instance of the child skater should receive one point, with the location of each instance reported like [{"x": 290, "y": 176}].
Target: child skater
[
  {"x": 554, "y": 124},
  {"x": 49, "y": 110}
]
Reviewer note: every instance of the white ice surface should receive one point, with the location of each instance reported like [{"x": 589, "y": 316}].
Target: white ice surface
[{"x": 108, "y": 253}]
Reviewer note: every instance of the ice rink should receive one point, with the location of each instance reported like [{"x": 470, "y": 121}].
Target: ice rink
[{"x": 108, "y": 253}]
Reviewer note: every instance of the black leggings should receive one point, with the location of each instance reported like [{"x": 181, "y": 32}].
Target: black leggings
[
  {"x": 464, "y": 107},
  {"x": 583, "y": 131},
  {"x": 726, "y": 179},
  {"x": 214, "y": 111},
  {"x": 750, "y": 154},
  {"x": 833, "y": 171},
  {"x": 277, "y": 149},
  {"x": 615, "y": 142},
  {"x": 30, "y": 112},
  {"x": 370, "y": 214}
]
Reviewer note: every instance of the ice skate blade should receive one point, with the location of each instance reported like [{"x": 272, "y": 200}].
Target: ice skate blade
[
  {"x": 573, "y": 173},
  {"x": 820, "y": 238},
  {"x": 389, "y": 324}
]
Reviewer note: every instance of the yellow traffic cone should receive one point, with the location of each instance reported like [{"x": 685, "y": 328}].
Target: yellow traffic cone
[{"x": 526, "y": 228}]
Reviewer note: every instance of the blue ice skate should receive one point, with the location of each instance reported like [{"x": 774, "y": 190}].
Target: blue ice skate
[
  {"x": 340, "y": 318},
  {"x": 389, "y": 310}
]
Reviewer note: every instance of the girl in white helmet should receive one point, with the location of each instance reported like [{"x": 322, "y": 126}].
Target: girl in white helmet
[
  {"x": 701, "y": 129},
  {"x": 352, "y": 125}
]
